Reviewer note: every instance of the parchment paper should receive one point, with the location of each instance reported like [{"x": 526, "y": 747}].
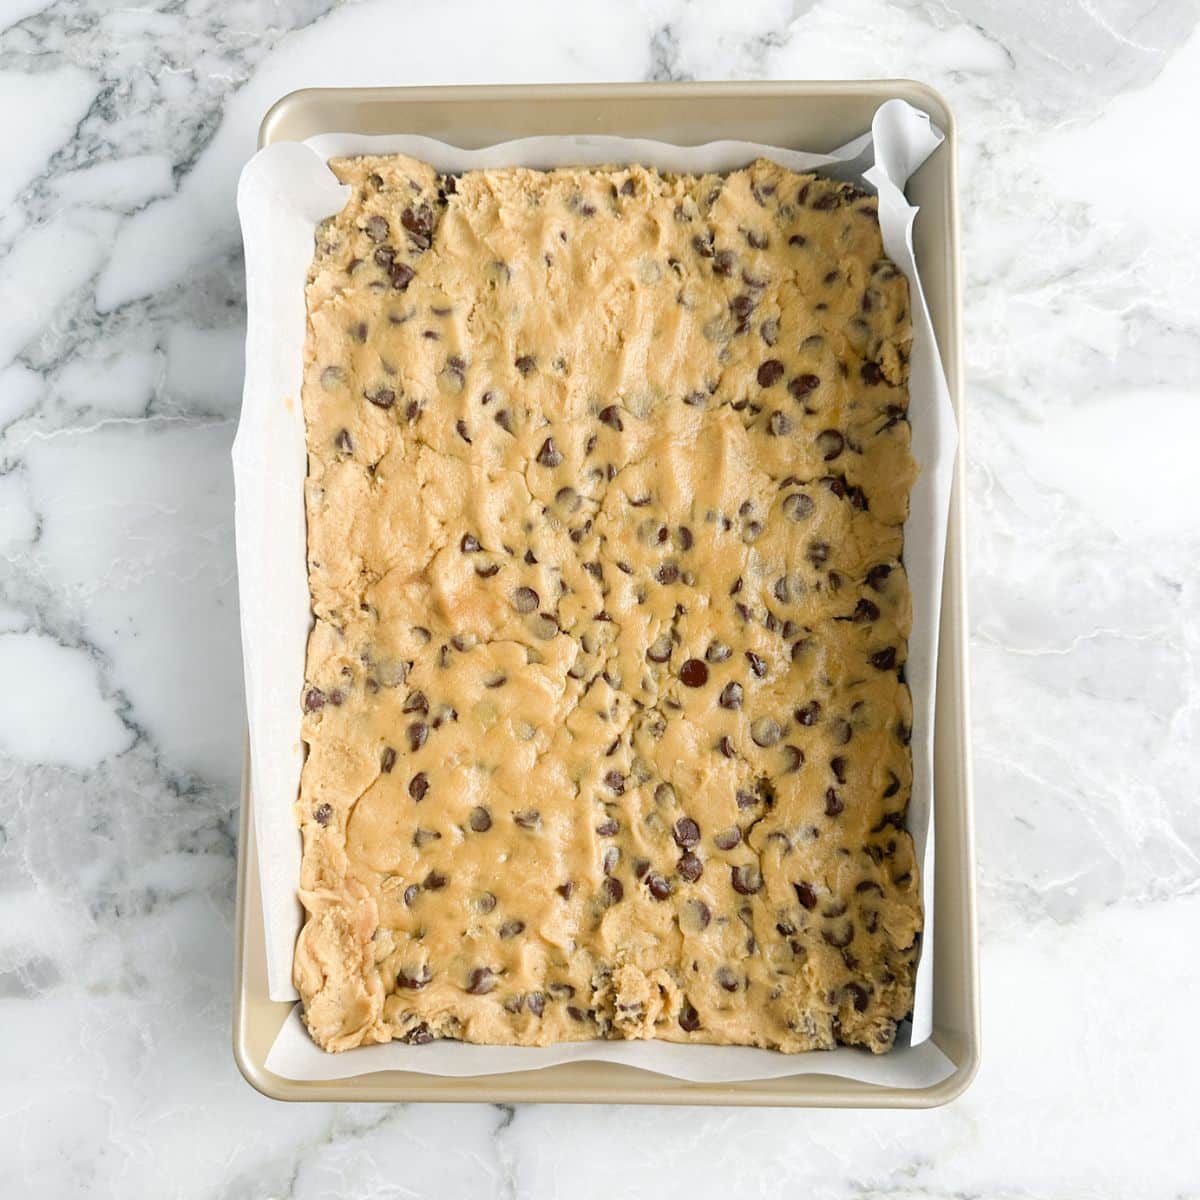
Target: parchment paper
[{"x": 284, "y": 191}]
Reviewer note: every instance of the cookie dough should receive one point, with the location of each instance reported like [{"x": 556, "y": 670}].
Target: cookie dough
[{"x": 605, "y": 709}]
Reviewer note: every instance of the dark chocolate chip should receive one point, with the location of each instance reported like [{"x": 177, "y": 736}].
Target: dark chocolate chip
[
  {"x": 525, "y": 600},
  {"x": 611, "y": 416},
  {"x": 803, "y": 385},
  {"x": 745, "y": 879},
  {"x": 480, "y": 820},
  {"x": 314, "y": 700},
  {"x": 481, "y": 981},
  {"x": 833, "y": 803},
  {"x": 417, "y": 733},
  {"x": 798, "y": 505},
  {"x": 770, "y": 373},
  {"x": 525, "y": 363},
  {"x": 727, "y": 838},
  {"x": 689, "y": 1018},
  {"x": 806, "y": 894},
  {"x": 731, "y": 696},
  {"x": 689, "y": 867},
  {"x": 549, "y": 455},
  {"x": 885, "y": 659},
  {"x": 693, "y": 673},
  {"x": 323, "y": 814},
  {"x": 686, "y": 833},
  {"x": 658, "y": 886},
  {"x": 830, "y": 443},
  {"x": 415, "y": 981}
]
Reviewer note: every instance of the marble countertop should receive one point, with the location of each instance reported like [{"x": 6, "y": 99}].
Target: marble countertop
[{"x": 122, "y": 309}]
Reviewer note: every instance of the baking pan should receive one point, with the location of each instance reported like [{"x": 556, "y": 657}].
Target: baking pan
[{"x": 817, "y": 116}]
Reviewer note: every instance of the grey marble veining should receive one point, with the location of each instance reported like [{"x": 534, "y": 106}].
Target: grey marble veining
[{"x": 121, "y": 319}]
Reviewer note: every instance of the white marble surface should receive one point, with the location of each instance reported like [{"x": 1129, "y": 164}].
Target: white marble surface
[{"x": 121, "y": 317}]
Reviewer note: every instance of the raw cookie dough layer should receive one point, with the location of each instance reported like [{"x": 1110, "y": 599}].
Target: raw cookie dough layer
[{"x": 605, "y": 712}]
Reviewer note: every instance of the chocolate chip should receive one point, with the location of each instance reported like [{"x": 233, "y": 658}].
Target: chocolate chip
[
  {"x": 726, "y": 747},
  {"x": 840, "y": 937},
  {"x": 759, "y": 241},
  {"x": 525, "y": 600},
  {"x": 382, "y": 397},
  {"x": 686, "y": 833},
  {"x": 723, "y": 262},
  {"x": 798, "y": 505},
  {"x": 797, "y": 239},
  {"x": 658, "y": 886},
  {"x": 343, "y": 442},
  {"x": 613, "y": 890},
  {"x": 659, "y": 650},
  {"x": 727, "y": 838},
  {"x": 745, "y": 879},
  {"x": 757, "y": 665},
  {"x": 511, "y": 929},
  {"x": 802, "y": 385},
  {"x": 377, "y": 229},
  {"x": 885, "y": 659},
  {"x": 667, "y": 573},
  {"x": 536, "y": 1003},
  {"x": 769, "y": 331},
  {"x": 806, "y": 894},
  {"x": 858, "y": 996},
  {"x": 323, "y": 814},
  {"x": 525, "y": 363},
  {"x": 833, "y": 803},
  {"x": 689, "y": 867},
  {"x": 765, "y": 732},
  {"x": 731, "y": 696},
  {"x": 689, "y": 1018},
  {"x": 401, "y": 276},
  {"x": 481, "y": 981},
  {"x": 770, "y": 373},
  {"x": 726, "y": 979},
  {"x": 609, "y": 828},
  {"x": 830, "y": 443},
  {"x": 742, "y": 306},
  {"x": 693, "y": 673},
  {"x": 503, "y": 418},
  {"x": 417, "y": 734},
  {"x": 529, "y": 819},
  {"x": 314, "y": 700},
  {"x": 865, "y": 611},
  {"x": 549, "y": 455},
  {"x": 387, "y": 760},
  {"x": 611, "y": 416},
  {"x": 871, "y": 373},
  {"x": 435, "y": 881},
  {"x": 779, "y": 424},
  {"x": 415, "y": 981},
  {"x": 480, "y": 820},
  {"x": 817, "y": 553},
  {"x": 718, "y": 652}
]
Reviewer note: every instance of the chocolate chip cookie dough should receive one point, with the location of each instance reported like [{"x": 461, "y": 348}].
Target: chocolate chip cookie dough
[{"x": 605, "y": 708}]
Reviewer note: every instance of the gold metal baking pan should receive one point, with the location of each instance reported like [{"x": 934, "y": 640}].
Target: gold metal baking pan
[{"x": 812, "y": 116}]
